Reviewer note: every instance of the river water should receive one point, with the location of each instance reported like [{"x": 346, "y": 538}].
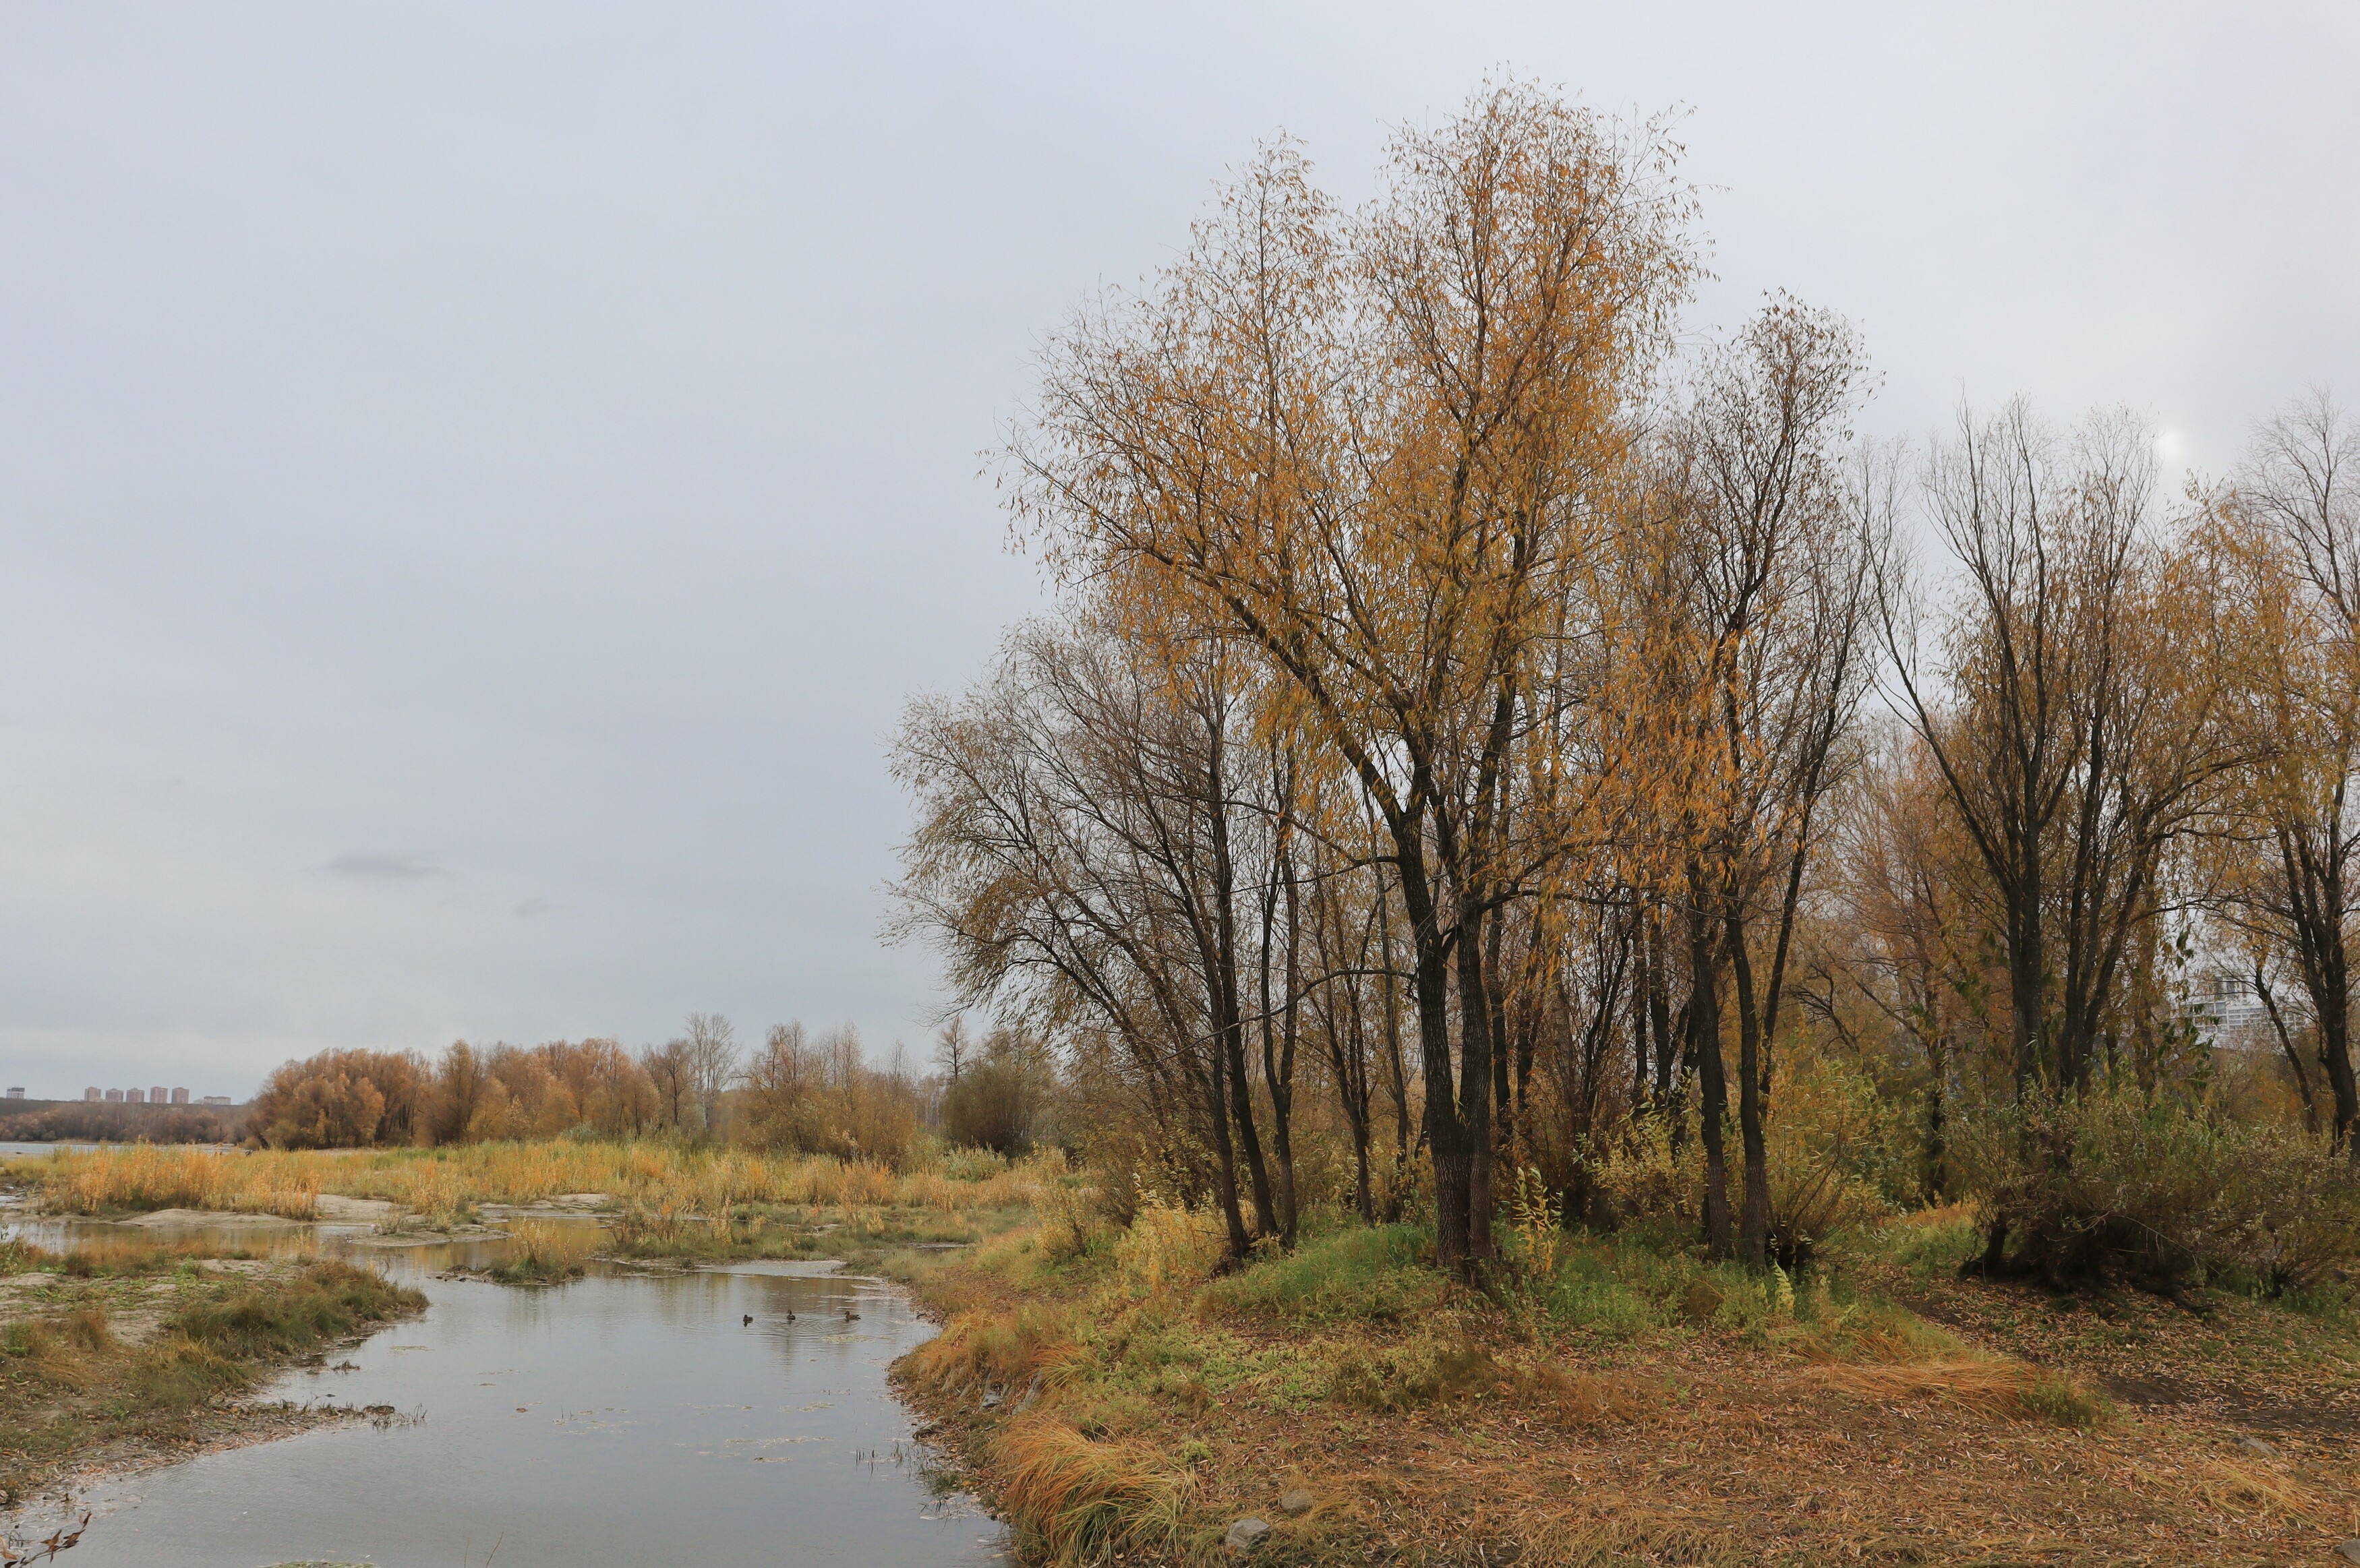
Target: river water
[{"x": 621, "y": 1418}]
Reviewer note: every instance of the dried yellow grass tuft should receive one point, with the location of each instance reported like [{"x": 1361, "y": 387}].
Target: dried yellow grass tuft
[
  {"x": 1986, "y": 1384},
  {"x": 1081, "y": 1501}
]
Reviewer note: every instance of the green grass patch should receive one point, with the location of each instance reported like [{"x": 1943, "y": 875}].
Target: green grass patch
[
  {"x": 327, "y": 1300},
  {"x": 2058, "y": 1398},
  {"x": 1375, "y": 1275},
  {"x": 1618, "y": 1289},
  {"x": 67, "y": 1383},
  {"x": 1932, "y": 1247}
]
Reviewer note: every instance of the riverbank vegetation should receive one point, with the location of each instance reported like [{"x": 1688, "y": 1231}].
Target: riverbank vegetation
[
  {"x": 1123, "y": 1396},
  {"x": 133, "y": 1350},
  {"x": 1605, "y": 972},
  {"x": 656, "y": 1187}
]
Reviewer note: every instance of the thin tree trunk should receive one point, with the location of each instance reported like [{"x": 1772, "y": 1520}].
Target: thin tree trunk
[
  {"x": 1643, "y": 996},
  {"x": 1754, "y": 1223},
  {"x": 1704, "y": 1035},
  {"x": 1938, "y": 1099},
  {"x": 1446, "y": 1130},
  {"x": 1475, "y": 1058},
  {"x": 1278, "y": 1066},
  {"x": 1225, "y": 1165},
  {"x": 2294, "y": 1057},
  {"x": 2025, "y": 977},
  {"x": 1398, "y": 1079},
  {"x": 1228, "y": 1022},
  {"x": 1503, "y": 1107}
]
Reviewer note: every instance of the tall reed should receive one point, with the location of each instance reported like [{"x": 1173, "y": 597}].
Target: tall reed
[{"x": 441, "y": 1182}]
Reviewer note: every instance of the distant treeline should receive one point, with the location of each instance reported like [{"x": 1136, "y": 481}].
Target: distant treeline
[
  {"x": 817, "y": 1095},
  {"x": 351, "y": 1099},
  {"x": 103, "y": 1123}
]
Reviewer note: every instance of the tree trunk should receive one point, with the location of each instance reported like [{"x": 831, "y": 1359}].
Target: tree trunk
[
  {"x": 1753, "y": 1224},
  {"x": 1669, "y": 1039},
  {"x": 1397, "y": 1080},
  {"x": 1476, "y": 1055},
  {"x": 1503, "y": 1103},
  {"x": 1938, "y": 1091},
  {"x": 1278, "y": 1064},
  {"x": 2025, "y": 978},
  {"x": 1643, "y": 996},
  {"x": 1228, "y": 1022},
  {"x": 1704, "y": 1036},
  {"x": 1446, "y": 1131},
  {"x": 1225, "y": 1165}
]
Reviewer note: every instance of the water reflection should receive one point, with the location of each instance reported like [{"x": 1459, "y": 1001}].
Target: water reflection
[{"x": 625, "y": 1418}]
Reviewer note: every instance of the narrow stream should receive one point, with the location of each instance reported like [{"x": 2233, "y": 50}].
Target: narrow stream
[{"x": 621, "y": 1418}]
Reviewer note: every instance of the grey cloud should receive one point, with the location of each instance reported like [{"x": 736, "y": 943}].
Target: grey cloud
[
  {"x": 411, "y": 432},
  {"x": 380, "y": 865}
]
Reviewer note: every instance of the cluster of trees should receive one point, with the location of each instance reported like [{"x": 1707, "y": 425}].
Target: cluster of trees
[
  {"x": 822, "y": 1096},
  {"x": 342, "y": 1099},
  {"x": 1480, "y": 728},
  {"x": 818, "y": 1097},
  {"x": 120, "y": 1124},
  {"x": 999, "y": 1092}
]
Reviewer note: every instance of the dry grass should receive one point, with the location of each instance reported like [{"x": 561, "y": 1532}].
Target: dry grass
[
  {"x": 1573, "y": 1398},
  {"x": 2234, "y": 1485},
  {"x": 660, "y": 1179},
  {"x": 94, "y": 1257},
  {"x": 986, "y": 1349},
  {"x": 77, "y": 1379},
  {"x": 1841, "y": 1428},
  {"x": 1075, "y": 1497},
  {"x": 547, "y": 1253},
  {"x": 1986, "y": 1384},
  {"x": 143, "y": 1177},
  {"x": 1084, "y": 1501}
]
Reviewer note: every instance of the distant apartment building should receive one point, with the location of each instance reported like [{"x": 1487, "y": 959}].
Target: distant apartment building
[
  {"x": 159, "y": 1096},
  {"x": 16, "y": 1093},
  {"x": 2226, "y": 1007}
]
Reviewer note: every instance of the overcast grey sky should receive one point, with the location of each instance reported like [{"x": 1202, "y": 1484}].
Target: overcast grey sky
[{"x": 478, "y": 482}]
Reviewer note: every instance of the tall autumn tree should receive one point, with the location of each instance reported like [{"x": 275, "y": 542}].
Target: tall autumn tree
[
  {"x": 2076, "y": 717},
  {"x": 2079, "y": 723},
  {"x": 1378, "y": 451},
  {"x": 2288, "y": 527},
  {"x": 1093, "y": 845},
  {"x": 1769, "y": 566}
]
